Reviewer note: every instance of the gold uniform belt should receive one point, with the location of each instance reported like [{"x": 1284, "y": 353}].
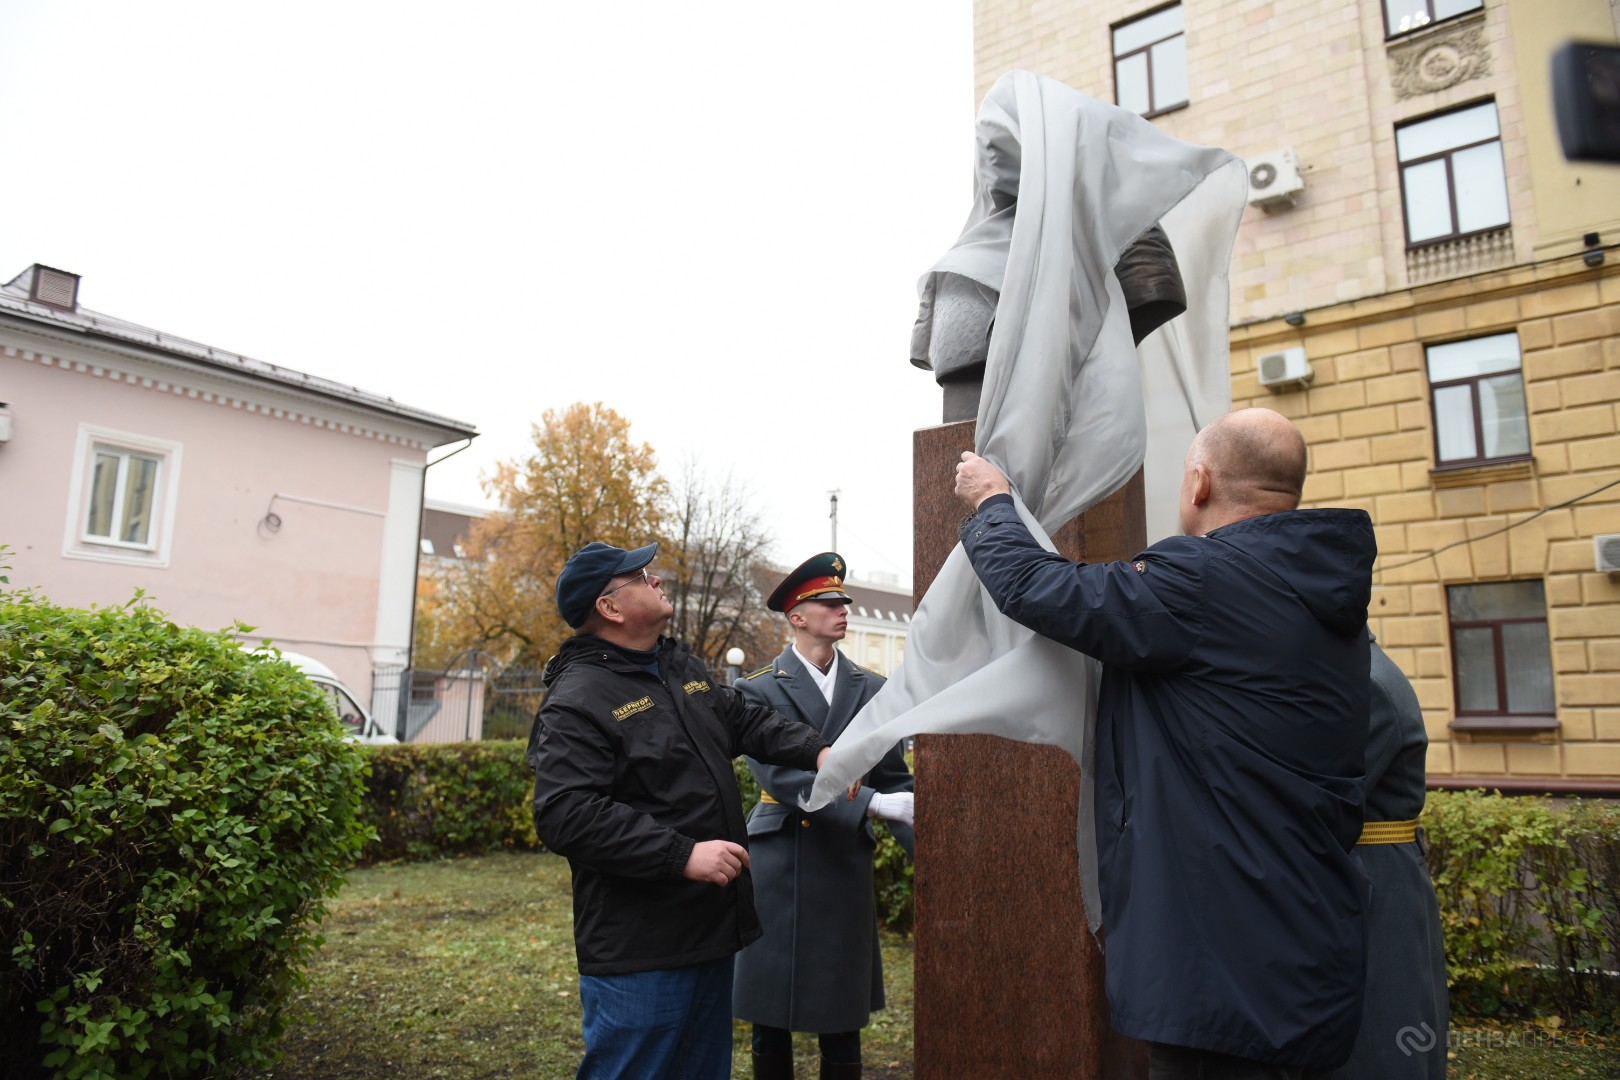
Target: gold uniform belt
[
  {"x": 1388, "y": 832},
  {"x": 1372, "y": 832}
]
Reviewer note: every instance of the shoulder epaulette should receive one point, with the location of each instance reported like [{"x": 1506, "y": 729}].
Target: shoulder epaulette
[{"x": 762, "y": 671}]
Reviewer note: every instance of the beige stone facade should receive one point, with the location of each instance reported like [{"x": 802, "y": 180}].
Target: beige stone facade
[{"x": 1326, "y": 80}]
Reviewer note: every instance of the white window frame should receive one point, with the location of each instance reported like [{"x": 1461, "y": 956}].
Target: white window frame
[{"x": 77, "y": 541}]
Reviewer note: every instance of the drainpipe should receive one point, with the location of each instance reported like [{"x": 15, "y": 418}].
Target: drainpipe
[{"x": 416, "y": 583}]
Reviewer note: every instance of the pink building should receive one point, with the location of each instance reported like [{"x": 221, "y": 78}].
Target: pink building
[{"x": 229, "y": 489}]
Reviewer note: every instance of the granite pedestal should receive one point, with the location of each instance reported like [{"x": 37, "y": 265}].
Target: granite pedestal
[{"x": 1009, "y": 982}]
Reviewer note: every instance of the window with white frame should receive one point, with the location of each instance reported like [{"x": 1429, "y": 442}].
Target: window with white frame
[
  {"x": 1150, "y": 62},
  {"x": 122, "y": 499},
  {"x": 1453, "y": 181},
  {"x": 1405, "y": 16},
  {"x": 1501, "y": 655},
  {"x": 1479, "y": 405}
]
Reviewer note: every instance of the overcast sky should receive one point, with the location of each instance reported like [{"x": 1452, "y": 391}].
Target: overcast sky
[{"x": 709, "y": 216}]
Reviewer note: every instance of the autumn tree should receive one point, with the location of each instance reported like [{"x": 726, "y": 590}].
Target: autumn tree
[
  {"x": 715, "y": 543},
  {"x": 585, "y": 480}
]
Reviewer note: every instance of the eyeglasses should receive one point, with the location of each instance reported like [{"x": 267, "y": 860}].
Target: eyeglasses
[{"x": 642, "y": 578}]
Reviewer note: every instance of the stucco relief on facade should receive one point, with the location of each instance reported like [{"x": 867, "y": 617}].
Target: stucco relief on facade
[
  {"x": 171, "y": 386},
  {"x": 1439, "y": 59}
]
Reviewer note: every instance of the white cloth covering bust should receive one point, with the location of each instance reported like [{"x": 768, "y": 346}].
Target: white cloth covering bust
[{"x": 1069, "y": 407}]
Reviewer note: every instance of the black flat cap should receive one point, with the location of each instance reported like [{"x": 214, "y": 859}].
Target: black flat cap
[{"x": 587, "y": 573}]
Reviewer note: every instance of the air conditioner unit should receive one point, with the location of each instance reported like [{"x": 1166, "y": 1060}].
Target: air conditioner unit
[
  {"x": 1606, "y": 549},
  {"x": 1274, "y": 179},
  {"x": 1285, "y": 369}
]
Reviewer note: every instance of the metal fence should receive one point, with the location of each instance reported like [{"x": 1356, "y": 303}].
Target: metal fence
[{"x": 470, "y": 699}]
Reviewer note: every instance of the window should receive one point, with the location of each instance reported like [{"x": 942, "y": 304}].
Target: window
[
  {"x": 1452, "y": 179},
  {"x": 1479, "y": 407},
  {"x": 121, "y": 502},
  {"x": 123, "y": 488},
  {"x": 1150, "y": 62},
  {"x": 352, "y": 716},
  {"x": 1404, "y": 16},
  {"x": 1500, "y": 654}
]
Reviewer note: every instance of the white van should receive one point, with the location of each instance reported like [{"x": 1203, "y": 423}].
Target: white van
[{"x": 356, "y": 720}]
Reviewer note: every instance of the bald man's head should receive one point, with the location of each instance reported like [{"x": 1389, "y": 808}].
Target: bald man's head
[{"x": 1244, "y": 464}]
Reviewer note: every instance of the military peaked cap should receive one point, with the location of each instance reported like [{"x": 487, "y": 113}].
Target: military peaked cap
[{"x": 820, "y": 577}]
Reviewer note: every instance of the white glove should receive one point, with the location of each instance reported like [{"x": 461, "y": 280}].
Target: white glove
[{"x": 897, "y": 806}]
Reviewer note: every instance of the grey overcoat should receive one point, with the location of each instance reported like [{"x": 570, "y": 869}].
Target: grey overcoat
[
  {"x": 818, "y": 967},
  {"x": 1405, "y": 1014}
]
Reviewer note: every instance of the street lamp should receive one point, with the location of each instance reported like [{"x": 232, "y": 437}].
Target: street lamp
[{"x": 734, "y": 663}]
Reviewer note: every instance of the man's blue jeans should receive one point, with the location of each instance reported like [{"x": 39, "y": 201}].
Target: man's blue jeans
[{"x": 673, "y": 1024}]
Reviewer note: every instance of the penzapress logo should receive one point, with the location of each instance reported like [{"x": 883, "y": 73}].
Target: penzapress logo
[{"x": 1416, "y": 1040}]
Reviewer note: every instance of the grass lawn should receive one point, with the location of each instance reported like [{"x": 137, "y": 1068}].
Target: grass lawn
[{"x": 465, "y": 969}]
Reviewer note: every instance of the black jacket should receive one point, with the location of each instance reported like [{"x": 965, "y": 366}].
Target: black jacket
[
  {"x": 1231, "y": 737},
  {"x": 631, "y": 771}
]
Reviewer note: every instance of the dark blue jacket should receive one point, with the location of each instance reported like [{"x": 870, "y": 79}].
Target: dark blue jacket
[{"x": 1231, "y": 736}]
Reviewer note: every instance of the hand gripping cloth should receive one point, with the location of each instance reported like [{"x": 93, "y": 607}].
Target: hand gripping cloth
[{"x": 1070, "y": 409}]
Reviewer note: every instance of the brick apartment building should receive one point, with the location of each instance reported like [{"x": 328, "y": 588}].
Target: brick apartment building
[{"x": 1419, "y": 250}]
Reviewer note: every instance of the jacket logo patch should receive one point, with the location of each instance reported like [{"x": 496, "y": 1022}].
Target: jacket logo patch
[
  {"x": 696, "y": 686},
  {"x": 630, "y": 708},
  {"x": 1139, "y": 566}
]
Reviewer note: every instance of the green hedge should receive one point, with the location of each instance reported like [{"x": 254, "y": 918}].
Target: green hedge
[
  {"x": 173, "y": 810},
  {"x": 1529, "y": 890},
  {"x": 425, "y": 800},
  {"x": 1530, "y": 903}
]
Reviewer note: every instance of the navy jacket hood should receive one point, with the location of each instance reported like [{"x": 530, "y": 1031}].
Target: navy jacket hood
[{"x": 1324, "y": 556}]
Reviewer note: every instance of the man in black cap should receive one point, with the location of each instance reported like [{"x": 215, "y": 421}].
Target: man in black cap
[
  {"x": 632, "y": 754},
  {"x": 818, "y": 967}
]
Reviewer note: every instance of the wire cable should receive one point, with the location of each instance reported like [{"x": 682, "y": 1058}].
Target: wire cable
[{"x": 1498, "y": 532}]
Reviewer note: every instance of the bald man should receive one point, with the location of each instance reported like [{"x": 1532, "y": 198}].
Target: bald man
[{"x": 1231, "y": 739}]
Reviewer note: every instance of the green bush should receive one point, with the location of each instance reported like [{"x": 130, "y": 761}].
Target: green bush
[
  {"x": 425, "y": 800},
  {"x": 1529, "y": 903},
  {"x": 173, "y": 810}
]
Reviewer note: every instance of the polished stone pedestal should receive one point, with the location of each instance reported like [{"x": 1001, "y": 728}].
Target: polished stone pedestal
[{"x": 1009, "y": 981}]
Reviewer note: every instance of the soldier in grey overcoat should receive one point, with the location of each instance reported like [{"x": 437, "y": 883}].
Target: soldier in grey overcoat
[
  {"x": 818, "y": 967},
  {"x": 1405, "y": 1012}
]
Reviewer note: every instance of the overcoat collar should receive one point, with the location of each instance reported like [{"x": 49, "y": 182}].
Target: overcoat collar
[{"x": 802, "y": 689}]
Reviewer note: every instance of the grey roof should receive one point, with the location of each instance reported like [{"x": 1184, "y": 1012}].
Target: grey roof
[
  {"x": 15, "y": 299},
  {"x": 444, "y": 529},
  {"x": 890, "y": 604}
]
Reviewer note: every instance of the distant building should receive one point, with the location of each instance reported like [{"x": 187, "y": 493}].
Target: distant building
[
  {"x": 445, "y": 529},
  {"x": 879, "y": 621},
  {"x": 230, "y": 490}
]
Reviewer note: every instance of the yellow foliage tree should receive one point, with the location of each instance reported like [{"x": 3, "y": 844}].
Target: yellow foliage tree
[{"x": 585, "y": 480}]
